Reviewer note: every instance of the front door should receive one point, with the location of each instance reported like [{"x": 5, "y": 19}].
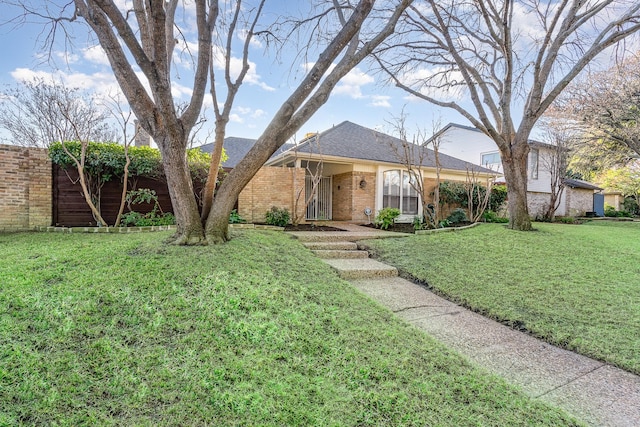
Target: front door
[{"x": 319, "y": 207}]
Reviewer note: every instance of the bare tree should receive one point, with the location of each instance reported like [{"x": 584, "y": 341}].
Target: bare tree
[
  {"x": 125, "y": 122},
  {"x": 30, "y": 113},
  {"x": 477, "y": 200},
  {"x": 510, "y": 59},
  {"x": 607, "y": 105},
  {"x": 357, "y": 35},
  {"x": 246, "y": 19},
  {"x": 78, "y": 119},
  {"x": 304, "y": 194},
  {"x": 560, "y": 137},
  {"x": 145, "y": 38},
  {"x": 414, "y": 155}
]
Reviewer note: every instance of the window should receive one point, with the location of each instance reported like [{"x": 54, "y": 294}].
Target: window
[
  {"x": 399, "y": 193},
  {"x": 490, "y": 159},
  {"x": 533, "y": 163}
]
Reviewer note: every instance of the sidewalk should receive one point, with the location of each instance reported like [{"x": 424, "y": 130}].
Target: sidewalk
[{"x": 592, "y": 391}]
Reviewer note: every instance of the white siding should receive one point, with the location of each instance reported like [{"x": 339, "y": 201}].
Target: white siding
[
  {"x": 468, "y": 145},
  {"x": 543, "y": 183}
]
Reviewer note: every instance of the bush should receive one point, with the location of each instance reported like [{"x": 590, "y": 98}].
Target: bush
[
  {"x": 498, "y": 197},
  {"x": 457, "y": 216},
  {"x": 417, "y": 223},
  {"x": 491, "y": 216},
  {"x": 235, "y": 218},
  {"x": 155, "y": 217},
  {"x": 277, "y": 216},
  {"x": 455, "y": 193},
  {"x": 610, "y": 211},
  {"x": 568, "y": 220},
  {"x": 136, "y": 219},
  {"x": 386, "y": 217}
]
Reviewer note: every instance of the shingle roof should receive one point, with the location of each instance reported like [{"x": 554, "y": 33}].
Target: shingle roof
[
  {"x": 353, "y": 141},
  {"x": 236, "y": 149},
  {"x": 578, "y": 183}
]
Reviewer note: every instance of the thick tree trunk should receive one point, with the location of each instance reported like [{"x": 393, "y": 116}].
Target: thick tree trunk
[
  {"x": 515, "y": 174},
  {"x": 217, "y": 225},
  {"x": 214, "y": 168},
  {"x": 185, "y": 208}
]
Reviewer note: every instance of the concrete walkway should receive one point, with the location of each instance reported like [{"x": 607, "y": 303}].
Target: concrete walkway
[{"x": 592, "y": 391}]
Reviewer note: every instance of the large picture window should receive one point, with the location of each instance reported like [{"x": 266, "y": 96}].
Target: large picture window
[{"x": 399, "y": 193}]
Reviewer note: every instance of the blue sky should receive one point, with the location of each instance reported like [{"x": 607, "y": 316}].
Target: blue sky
[{"x": 361, "y": 97}]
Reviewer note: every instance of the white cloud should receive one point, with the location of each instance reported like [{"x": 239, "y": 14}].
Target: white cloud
[
  {"x": 442, "y": 83},
  {"x": 247, "y": 112},
  {"x": 96, "y": 55},
  {"x": 235, "y": 66},
  {"x": 179, "y": 91},
  {"x": 351, "y": 84},
  {"x": 380, "y": 101},
  {"x": 66, "y": 56},
  {"x": 235, "y": 118},
  {"x": 254, "y": 42},
  {"x": 99, "y": 82},
  {"x": 258, "y": 113}
]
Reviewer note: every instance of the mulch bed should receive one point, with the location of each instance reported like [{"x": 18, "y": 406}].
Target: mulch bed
[
  {"x": 311, "y": 227},
  {"x": 408, "y": 228},
  {"x": 398, "y": 228}
]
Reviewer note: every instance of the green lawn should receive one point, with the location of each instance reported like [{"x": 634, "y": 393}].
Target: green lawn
[
  {"x": 125, "y": 330},
  {"x": 576, "y": 286}
]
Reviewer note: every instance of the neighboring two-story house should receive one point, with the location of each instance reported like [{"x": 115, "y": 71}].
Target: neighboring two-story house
[{"x": 472, "y": 145}]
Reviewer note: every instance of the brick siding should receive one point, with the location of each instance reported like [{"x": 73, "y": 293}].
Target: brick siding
[
  {"x": 271, "y": 186},
  {"x": 349, "y": 199},
  {"x": 25, "y": 188},
  {"x": 579, "y": 201}
]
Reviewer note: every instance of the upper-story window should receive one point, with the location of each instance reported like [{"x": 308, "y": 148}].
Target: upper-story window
[
  {"x": 489, "y": 159},
  {"x": 397, "y": 192},
  {"x": 534, "y": 155}
]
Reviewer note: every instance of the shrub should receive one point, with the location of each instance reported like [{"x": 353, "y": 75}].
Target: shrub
[
  {"x": 568, "y": 220},
  {"x": 455, "y": 193},
  {"x": 610, "y": 211},
  {"x": 498, "y": 197},
  {"x": 235, "y": 218},
  {"x": 631, "y": 206},
  {"x": 136, "y": 219},
  {"x": 444, "y": 223},
  {"x": 491, "y": 216},
  {"x": 417, "y": 223},
  {"x": 457, "y": 216},
  {"x": 386, "y": 217},
  {"x": 277, "y": 216},
  {"x": 155, "y": 217}
]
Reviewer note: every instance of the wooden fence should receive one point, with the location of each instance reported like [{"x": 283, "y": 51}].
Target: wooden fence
[{"x": 71, "y": 210}]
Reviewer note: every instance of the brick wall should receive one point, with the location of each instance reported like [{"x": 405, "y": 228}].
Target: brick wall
[
  {"x": 342, "y": 196},
  {"x": 537, "y": 203},
  {"x": 271, "y": 186},
  {"x": 363, "y": 197},
  {"x": 349, "y": 199},
  {"x": 25, "y": 188},
  {"x": 579, "y": 201}
]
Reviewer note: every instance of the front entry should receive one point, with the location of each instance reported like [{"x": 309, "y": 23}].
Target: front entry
[{"x": 319, "y": 207}]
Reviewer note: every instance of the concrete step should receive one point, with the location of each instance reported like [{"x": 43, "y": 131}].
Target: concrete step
[
  {"x": 327, "y": 246},
  {"x": 361, "y": 268},
  {"x": 340, "y": 254},
  {"x": 341, "y": 236}
]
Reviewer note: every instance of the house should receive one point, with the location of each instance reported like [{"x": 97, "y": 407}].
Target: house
[
  {"x": 472, "y": 145},
  {"x": 236, "y": 149},
  {"x": 346, "y": 173}
]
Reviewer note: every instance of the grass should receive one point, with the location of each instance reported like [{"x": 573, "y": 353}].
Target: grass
[
  {"x": 575, "y": 286},
  {"x": 125, "y": 330}
]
